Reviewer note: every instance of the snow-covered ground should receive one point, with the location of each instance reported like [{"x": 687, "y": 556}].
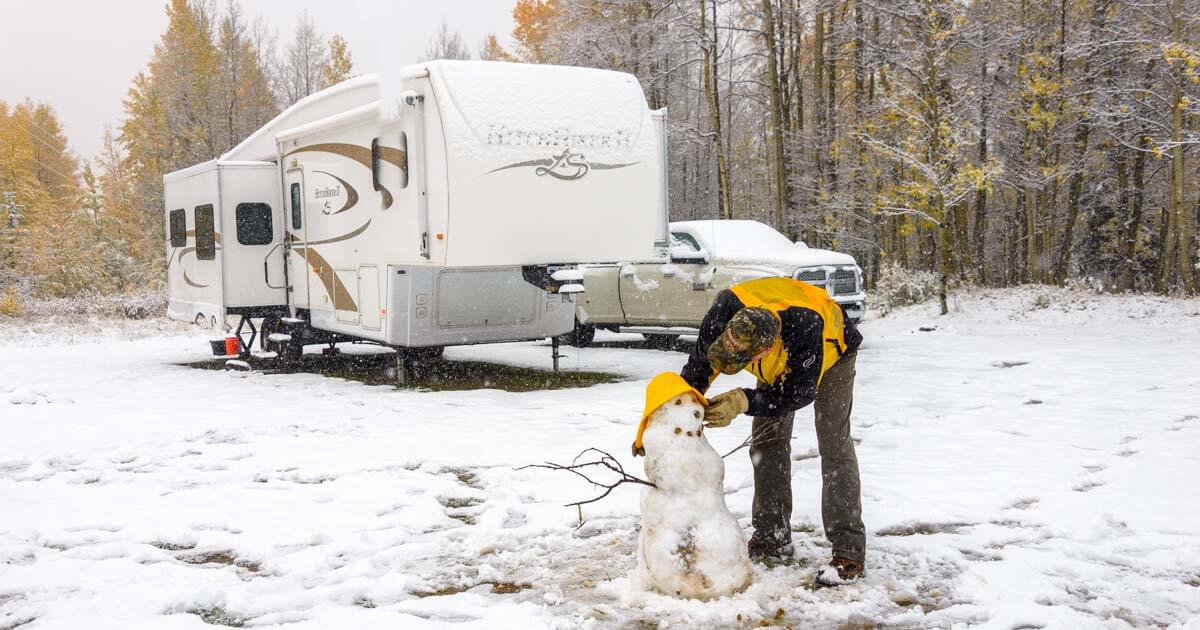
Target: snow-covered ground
[{"x": 1023, "y": 466}]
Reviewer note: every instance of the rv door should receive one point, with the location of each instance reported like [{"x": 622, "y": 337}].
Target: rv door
[
  {"x": 297, "y": 226},
  {"x": 417, "y": 159},
  {"x": 663, "y": 236}
]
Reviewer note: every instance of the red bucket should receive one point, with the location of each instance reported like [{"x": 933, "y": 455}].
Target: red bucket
[{"x": 233, "y": 346}]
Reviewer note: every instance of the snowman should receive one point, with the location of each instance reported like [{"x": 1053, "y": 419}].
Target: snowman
[{"x": 691, "y": 545}]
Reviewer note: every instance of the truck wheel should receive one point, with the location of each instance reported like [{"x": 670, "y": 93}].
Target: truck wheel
[
  {"x": 581, "y": 337},
  {"x": 660, "y": 341}
]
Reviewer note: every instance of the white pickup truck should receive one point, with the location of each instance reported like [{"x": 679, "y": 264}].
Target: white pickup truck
[{"x": 668, "y": 297}]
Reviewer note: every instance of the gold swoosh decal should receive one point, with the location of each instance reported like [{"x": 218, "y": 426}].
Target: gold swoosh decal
[
  {"x": 362, "y": 155},
  {"x": 193, "y": 283},
  {"x": 182, "y": 251},
  {"x": 216, "y": 236},
  {"x": 543, "y": 162},
  {"x": 600, "y": 166},
  {"x": 348, "y": 235},
  {"x": 177, "y": 253},
  {"x": 394, "y": 156}
]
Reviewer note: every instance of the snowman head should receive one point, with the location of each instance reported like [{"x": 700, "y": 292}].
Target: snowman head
[
  {"x": 679, "y": 422},
  {"x": 671, "y": 403}
]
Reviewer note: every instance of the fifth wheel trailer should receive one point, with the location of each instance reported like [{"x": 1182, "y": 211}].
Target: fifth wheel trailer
[{"x": 448, "y": 205}]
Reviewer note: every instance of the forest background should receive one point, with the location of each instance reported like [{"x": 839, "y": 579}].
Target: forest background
[{"x": 973, "y": 142}]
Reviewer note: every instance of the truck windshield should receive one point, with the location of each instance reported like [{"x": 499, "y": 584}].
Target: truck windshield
[{"x": 747, "y": 238}]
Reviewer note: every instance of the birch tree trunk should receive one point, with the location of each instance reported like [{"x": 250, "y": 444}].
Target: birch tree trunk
[
  {"x": 711, "y": 91},
  {"x": 981, "y": 196},
  {"x": 1184, "y": 231},
  {"x": 777, "y": 156},
  {"x": 1082, "y": 132}
]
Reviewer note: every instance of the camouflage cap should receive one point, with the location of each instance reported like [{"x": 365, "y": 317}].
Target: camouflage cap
[{"x": 749, "y": 332}]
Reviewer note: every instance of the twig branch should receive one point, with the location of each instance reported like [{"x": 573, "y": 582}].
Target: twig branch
[
  {"x": 606, "y": 461},
  {"x": 753, "y": 437}
]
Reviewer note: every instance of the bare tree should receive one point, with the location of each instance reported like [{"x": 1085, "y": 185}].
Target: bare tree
[
  {"x": 300, "y": 67},
  {"x": 446, "y": 44}
]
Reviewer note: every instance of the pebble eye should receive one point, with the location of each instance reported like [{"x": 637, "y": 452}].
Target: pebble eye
[
  {"x": 678, "y": 401},
  {"x": 689, "y": 434},
  {"x": 696, "y": 414},
  {"x": 678, "y": 430}
]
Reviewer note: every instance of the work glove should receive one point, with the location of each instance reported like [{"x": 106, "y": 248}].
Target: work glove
[{"x": 723, "y": 408}]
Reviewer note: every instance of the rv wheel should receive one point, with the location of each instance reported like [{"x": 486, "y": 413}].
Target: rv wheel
[
  {"x": 290, "y": 353},
  {"x": 273, "y": 339},
  {"x": 431, "y": 352},
  {"x": 660, "y": 342},
  {"x": 270, "y": 324},
  {"x": 581, "y": 337}
]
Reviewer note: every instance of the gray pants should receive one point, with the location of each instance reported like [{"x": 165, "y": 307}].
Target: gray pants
[{"x": 770, "y": 453}]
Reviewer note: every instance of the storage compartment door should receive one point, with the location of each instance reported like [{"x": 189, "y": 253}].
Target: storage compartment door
[
  {"x": 343, "y": 301},
  {"x": 485, "y": 297},
  {"x": 398, "y": 281},
  {"x": 368, "y": 296}
]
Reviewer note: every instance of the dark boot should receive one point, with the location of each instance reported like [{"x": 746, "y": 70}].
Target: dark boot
[
  {"x": 841, "y": 570},
  {"x": 767, "y": 548}
]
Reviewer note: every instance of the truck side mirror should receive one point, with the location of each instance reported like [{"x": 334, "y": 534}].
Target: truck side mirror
[{"x": 689, "y": 256}]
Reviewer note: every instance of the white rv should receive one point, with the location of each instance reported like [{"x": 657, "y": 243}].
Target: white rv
[{"x": 445, "y": 206}]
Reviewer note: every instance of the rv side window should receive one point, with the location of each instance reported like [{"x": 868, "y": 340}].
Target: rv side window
[
  {"x": 206, "y": 238},
  {"x": 375, "y": 163},
  {"x": 296, "y": 206},
  {"x": 178, "y": 227},
  {"x": 397, "y": 156},
  {"x": 254, "y": 224}
]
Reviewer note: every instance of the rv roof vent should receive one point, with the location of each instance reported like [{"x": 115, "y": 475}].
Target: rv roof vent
[{"x": 571, "y": 288}]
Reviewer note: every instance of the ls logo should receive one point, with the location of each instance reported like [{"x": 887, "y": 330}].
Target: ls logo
[{"x": 566, "y": 166}]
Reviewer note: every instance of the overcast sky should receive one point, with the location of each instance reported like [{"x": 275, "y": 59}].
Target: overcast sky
[{"x": 81, "y": 55}]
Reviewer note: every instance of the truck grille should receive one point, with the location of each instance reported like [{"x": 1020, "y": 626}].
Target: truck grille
[
  {"x": 812, "y": 276},
  {"x": 843, "y": 281}
]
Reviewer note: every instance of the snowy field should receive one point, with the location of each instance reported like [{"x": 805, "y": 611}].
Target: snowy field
[{"x": 1026, "y": 463}]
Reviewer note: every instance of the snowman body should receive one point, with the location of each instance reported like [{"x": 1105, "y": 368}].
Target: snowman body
[{"x": 691, "y": 545}]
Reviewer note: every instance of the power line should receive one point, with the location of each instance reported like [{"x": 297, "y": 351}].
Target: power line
[
  {"x": 73, "y": 180},
  {"x": 35, "y": 136},
  {"x": 45, "y": 131}
]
